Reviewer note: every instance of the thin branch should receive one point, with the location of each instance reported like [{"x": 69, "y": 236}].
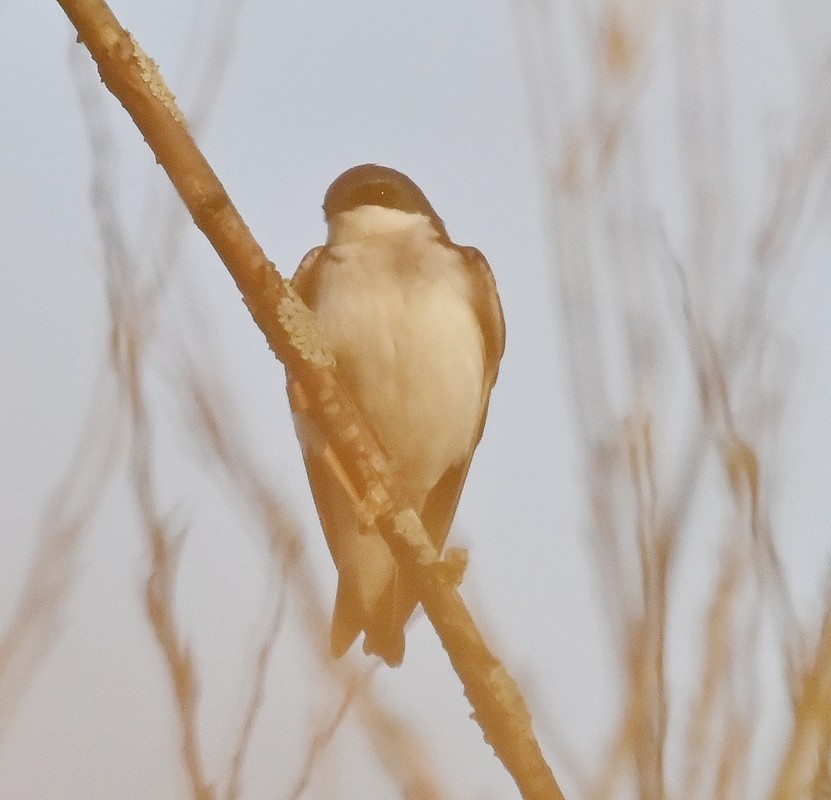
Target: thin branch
[
  {"x": 33, "y": 627},
  {"x": 132, "y": 317},
  {"x": 325, "y": 736},
  {"x": 648, "y": 654},
  {"x": 804, "y": 762},
  {"x": 393, "y": 742},
  {"x": 256, "y": 699},
  {"x": 185, "y": 684}
]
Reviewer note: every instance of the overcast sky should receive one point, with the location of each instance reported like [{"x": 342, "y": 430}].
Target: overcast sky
[{"x": 436, "y": 90}]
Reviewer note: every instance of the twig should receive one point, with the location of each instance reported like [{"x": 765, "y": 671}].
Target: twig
[
  {"x": 804, "y": 761},
  {"x": 34, "y": 624},
  {"x": 132, "y": 320},
  {"x": 394, "y": 744},
  {"x": 256, "y": 699},
  {"x": 159, "y": 601},
  {"x": 322, "y": 739}
]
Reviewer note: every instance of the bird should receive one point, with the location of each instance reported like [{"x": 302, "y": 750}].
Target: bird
[{"x": 415, "y": 326}]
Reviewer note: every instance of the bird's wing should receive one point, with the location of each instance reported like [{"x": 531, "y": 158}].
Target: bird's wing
[
  {"x": 335, "y": 499},
  {"x": 334, "y": 508},
  {"x": 489, "y": 311},
  {"x": 329, "y": 497},
  {"x": 440, "y": 507},
  {"x": 304, "y": 280}
]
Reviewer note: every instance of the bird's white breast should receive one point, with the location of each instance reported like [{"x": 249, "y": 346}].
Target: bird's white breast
[{"x": 397, "y": 312}]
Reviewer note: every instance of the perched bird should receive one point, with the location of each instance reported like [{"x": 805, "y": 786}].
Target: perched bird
[{"x": 416, "y": 330}]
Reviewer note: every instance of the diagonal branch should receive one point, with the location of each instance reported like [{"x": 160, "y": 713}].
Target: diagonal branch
[{"x": 289, "y": 329}]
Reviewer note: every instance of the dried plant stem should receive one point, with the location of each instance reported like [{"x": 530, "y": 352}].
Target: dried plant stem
[
  {"x": 395, "y": 746},
  {"x": 397, "y": 750},
  {"x": 134, "y": 79},
  {"x": 322, "y": 739},
  {"x": 804, "y": 764},
  {"x": 31, "y": 631},
  {"x": 159, "y": 600},
  {"x": 255, "y": 700}
]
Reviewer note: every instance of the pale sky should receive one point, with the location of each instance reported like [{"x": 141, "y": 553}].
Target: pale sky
[{"x": 435, "y": 90}]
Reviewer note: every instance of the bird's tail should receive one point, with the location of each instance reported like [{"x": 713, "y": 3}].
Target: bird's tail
[
  {"x": 384, "y": 626},
  {"x": 385, "y": 630}
]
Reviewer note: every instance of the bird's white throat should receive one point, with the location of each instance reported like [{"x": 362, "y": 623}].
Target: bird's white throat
[{"x": 369, "y": 221}]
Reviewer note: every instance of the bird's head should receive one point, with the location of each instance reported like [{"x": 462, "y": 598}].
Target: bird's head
[{"x": 370, "y": 200}]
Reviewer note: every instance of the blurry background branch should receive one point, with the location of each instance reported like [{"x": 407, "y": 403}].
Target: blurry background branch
[
  {"x": 35, "y": 622},
  {"x": 646, "y": 460}
]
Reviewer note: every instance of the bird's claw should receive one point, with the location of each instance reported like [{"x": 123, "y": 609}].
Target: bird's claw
[{"x": 451, "y": 568}]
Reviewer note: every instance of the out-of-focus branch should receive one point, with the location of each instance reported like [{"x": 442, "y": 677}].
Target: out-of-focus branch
[
  {"x": 178, "y": 659},
  {"x": 255, "y": 700},
  {"x": 325, "y": 736},
  {"x": 804, "y": 764},
  {"x": 395, "y": 746},
  {"x": 135, "y": 80},
  {"x": 34, "y": 624},
  {"x": 132, "y": 321}
]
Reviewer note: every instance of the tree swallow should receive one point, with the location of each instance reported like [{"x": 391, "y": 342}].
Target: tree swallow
[{"x": 416, "y": 330}]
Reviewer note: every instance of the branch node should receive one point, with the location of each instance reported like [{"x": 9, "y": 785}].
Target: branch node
[
  {"x": 452, "y": 567},
  {"x": 151, "y": 75}
]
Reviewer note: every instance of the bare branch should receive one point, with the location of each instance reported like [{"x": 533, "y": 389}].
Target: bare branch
[
  {"x": 35, "y": 622},
  {"x": 322, "y": 739},
  {"x": 804, "y": 764},
  {"x": 394, "y": 744},
  {"x": 255, "y": 701}
]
